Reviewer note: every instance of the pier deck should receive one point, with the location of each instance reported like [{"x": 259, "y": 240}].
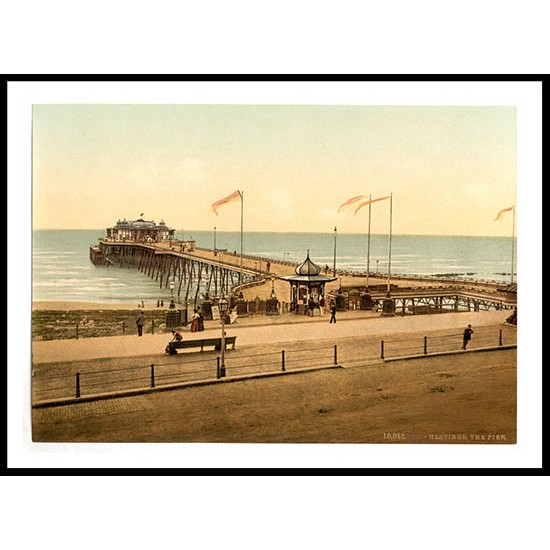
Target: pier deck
[{"x": 221, "y": 272}]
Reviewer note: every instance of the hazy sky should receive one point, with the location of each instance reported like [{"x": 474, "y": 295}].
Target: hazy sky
[{"x": 450, "y": 169}]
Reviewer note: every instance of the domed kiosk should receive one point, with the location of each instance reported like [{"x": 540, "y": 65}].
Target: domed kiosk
[{"x": 307, "y": 287}]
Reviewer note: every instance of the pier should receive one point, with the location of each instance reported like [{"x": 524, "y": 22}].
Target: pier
[
  {"x": 167, "y": 261},
  {"x": 196, "y": 270}
]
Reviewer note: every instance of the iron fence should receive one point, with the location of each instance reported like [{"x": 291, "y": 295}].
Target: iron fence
[
  {"x": 180, "y": 370},
  {"x": 190, "y": 367},
  {"x": 484, "y": 337}
]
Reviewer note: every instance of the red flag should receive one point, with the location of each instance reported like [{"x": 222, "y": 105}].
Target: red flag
[
  {"x": 501, "y": 213},
  {"x": 350, "y": 202},
  {"x": 370, "y": 202},
  {"x": 230, "y": 198}
]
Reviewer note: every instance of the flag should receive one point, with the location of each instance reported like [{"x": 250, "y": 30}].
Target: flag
[
  {"x": 500, "y": 215},
  {"x": 350, "y": 202},
  {"x": 230, "y": 198},
  {"x": 370, "y": 202}
]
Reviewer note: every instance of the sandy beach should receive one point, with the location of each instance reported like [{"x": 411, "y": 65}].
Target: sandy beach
[{"x": 45, "y": 305}]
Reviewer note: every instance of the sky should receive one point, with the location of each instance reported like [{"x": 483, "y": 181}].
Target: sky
[{"x": 449, "y": 169}]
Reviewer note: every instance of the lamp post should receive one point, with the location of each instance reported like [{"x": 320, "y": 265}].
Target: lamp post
[
  {"x": 334, "y": 264},
  {"x": 173, "y": 316},
  {"x": 214, "y": 238},
  {"x": 377, "y": 266},
  {"x": 223, "y": 306},
  {"x": 172, "y": 304}
]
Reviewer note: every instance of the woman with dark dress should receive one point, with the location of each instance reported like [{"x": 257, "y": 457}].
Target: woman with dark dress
[{"x": 195, "y": 321}]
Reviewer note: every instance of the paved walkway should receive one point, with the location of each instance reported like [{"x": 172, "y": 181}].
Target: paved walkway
[{"x": 268, "y": 333}]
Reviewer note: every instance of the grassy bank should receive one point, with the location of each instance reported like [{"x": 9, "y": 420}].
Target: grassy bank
[{"x": 86, "y": 323}]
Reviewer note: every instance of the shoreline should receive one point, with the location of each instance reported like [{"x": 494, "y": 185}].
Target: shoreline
[{"x": 58, "y": 305}]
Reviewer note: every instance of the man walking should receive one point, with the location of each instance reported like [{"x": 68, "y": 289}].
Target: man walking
[
  {"x": 332, "y": 313},
  {"x": 467, "y": 336},
  {"x": 140, "y": 322}
]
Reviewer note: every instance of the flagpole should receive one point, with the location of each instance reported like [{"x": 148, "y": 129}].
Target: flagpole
[
  {"x": 242, "y": 207},
  {"x": 513, "y": 244},
  {"x": 389, "y": 252},
  {"x": 368, "y": 245}
]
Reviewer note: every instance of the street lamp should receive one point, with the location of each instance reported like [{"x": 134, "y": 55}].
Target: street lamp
[
  {"x": 334, "y": 264},
  {"x": 223, "y": 305},
  {"x": 172, "y": 304}
]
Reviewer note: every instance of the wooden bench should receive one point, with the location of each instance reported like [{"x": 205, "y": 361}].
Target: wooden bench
[{"x": 201, "y": 343}]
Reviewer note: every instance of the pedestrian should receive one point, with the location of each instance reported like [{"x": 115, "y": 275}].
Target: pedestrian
[
  {"x": 142, "y": 304},
  {"x": 310, "y": 306},
  {"x": 268, "y": 266},
  {"x": 195, "y": 321},
  {"x": 177, "y": 336},
  {"x": 322, "y": 305},
  {"x": 200, "y": 320},
  {"x": 158, "y": 303},
  {"x": 140, "y": 321},
  {"x": 162, "y": 303},
  {"x": 332, "y": 312},
  {"x": 467, "y": 336}
]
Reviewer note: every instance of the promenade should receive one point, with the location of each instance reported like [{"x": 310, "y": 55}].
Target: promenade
[
  {"x": 266, "y": 330},
  {"x": 466, "y": 395}
]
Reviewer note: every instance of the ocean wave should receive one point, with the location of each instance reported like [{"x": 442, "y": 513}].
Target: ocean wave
[
  {"x": 54, "y": 255},
  {"x": 55, "y": 273}
]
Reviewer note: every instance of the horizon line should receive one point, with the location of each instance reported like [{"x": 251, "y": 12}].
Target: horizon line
[{"x": 282, "y": 232}]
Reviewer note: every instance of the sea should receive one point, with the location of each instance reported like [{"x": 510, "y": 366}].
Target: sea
[{"x": 62, "y": 270}]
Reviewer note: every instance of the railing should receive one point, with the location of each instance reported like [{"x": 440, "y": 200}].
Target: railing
[
  {"x": 176, "y": 370},
  {"x": 481, "y": 339},
  {"x": 180, "y": 370}
]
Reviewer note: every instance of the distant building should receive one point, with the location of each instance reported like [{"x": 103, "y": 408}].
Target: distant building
[{"x": 140, "y": 231}]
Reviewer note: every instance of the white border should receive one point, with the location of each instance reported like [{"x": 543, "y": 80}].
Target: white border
[{"x": 526, "y": 96}]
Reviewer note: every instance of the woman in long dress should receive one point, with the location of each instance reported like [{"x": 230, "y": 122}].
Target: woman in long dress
[
  {"x": 195, "y": 322},
  {"x": 201, "y": 319}
]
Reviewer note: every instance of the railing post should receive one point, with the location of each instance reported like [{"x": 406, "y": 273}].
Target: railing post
[
  {"x": 77, "y": 384},
  {"x": 218, "y": 374},
  {"x": 77, "y": 331},
  {"x": 335, "y": 354},
  {"x": 283, "y": 360},
  {"x": 425, "y": 345},
  {"x": 152, "y": 375},
  {"x": 381, "y": 349},
  {"x": 500, "y": 337}
]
